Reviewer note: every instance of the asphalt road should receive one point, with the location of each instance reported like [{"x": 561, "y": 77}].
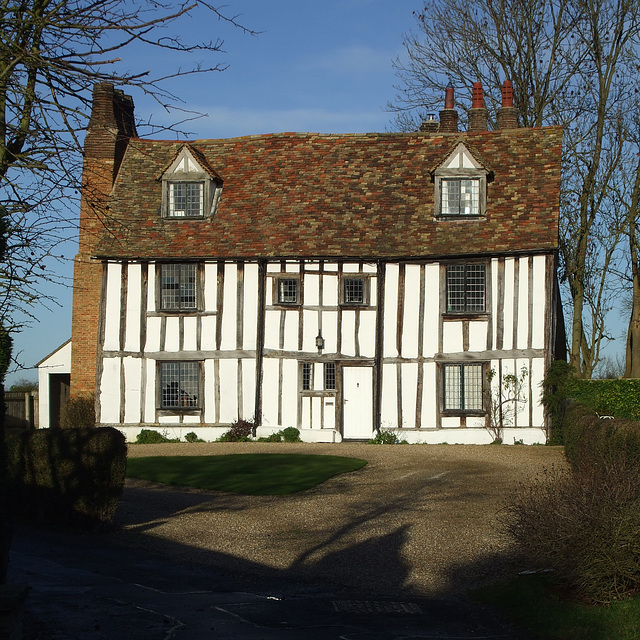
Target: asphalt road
[{"x": 85, "y": 587}]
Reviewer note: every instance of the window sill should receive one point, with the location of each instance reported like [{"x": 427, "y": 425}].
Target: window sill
[
  {"x": 468, "y": 216},
  {"x": 474, "y": 413},
  {"x": 449, "y": 316},
  {"x": 179, "y": 411}
]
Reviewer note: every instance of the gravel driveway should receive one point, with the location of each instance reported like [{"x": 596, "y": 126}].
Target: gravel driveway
[{"x": 418, "y": 520}]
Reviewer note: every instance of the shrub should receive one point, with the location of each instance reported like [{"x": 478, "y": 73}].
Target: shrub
[
  {"x": 192, "y": 437},
  {"x": 276, "y": 436},
  {"x": 586, "y": 527},
  {"x": 291, "y": 434},
  {"x": 557, "y": 388},
  {"x": 386, "y": 437},
  {"x": 241, "y": 431},
  {"x": 79, "y": 412},
  {"x": 66, "y": 476},
  {"x": 598, "y": 446},
  {"x": 151, "y": 436}
]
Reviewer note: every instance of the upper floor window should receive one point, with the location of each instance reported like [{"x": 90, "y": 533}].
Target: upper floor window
[
  {"x": 354, "y": 290},
  {"x": 190, "y": 187},
  {"x": 179, "y": 385},
  {"x": 463, "y": 387},
  {"x": 186, "y": 200},
  {"x": 459, "y": 197},
  {"x": 178, "y": 287},
  {"x": 288, "y": 290},
  {"x": 466, "y": 288},
  {"x": 460, "y": 185}
]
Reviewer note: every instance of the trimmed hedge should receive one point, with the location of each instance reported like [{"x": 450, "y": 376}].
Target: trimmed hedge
[
  {"x": 66, "y": 476},
  {"x": 616, "y": 398},
  {"x": 594, "y": 445}
]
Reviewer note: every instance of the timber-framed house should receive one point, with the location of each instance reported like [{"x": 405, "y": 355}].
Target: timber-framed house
[{"x": 340, "y": 284}]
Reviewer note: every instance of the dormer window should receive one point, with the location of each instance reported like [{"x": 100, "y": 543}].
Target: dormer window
[
  {"x": 460, "y": 186},
  {"x": 460, "y": 197},
  {"x": 190, "y": 188},
  {"x": 186, "y": 200}
]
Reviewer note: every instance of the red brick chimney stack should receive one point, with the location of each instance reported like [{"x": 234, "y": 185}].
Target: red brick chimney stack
[
  {"x": 507, "y": 114},
  {"x": 478, "y": 114},
  {"x": 110, "y": 128},
  {"x": 448, "y": 116}
]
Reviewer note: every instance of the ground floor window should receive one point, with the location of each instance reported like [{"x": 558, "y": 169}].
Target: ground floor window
[
  {"x": 307, "y": 376},
  {"x": 179, "y": 385},
  {"x": 318, "y": 376},
  {"x": 330, "y": 376},
  {"x": 463, "y": 387}
]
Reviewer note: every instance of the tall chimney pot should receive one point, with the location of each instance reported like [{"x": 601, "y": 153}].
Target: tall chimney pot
[
  {"x": 507, "y": 116},
  {"x": 478, "y": 115},
  {"x": 448, "y": 116}
]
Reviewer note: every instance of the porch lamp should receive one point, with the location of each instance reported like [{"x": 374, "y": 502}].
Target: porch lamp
[{"x": 319, "y": 342}]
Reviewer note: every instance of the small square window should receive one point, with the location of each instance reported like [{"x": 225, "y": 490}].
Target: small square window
[
  {"x": 186, "y": 200},
  {"x": 354, "y": 291},
  {"x": 466, "y": 288},
  {"x": 179, "y": 385},
  {"x": 464, "y": 387},
  {"x": 288, "y": 291},
  {"x": 178, "y": 287}
]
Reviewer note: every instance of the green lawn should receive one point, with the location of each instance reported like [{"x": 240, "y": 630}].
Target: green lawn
[
  {"x": 530, "y": 601},
  {"x": 257, "y": 474}
]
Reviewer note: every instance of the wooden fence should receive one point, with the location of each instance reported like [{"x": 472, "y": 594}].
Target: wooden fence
[{"x": 21, "y": 409}]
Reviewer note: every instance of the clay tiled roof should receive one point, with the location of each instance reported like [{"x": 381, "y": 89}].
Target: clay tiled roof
[{"x": 362, "y": 196}]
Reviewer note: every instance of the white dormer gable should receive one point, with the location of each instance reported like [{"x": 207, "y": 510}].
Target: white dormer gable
[
  {"x": 184, "y": 163},
  {"x": 190, "y": 189},
  {"x": 460, "y": 158}
]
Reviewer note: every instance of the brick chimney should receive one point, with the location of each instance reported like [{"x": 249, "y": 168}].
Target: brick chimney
[
  {"x": 110, "y": 128},
  {"x": 448, "y": 116},
  {"x": 430, "y": 125},
  {"x": 478, "y": 114},
  {"x": 507, "y": 116}
]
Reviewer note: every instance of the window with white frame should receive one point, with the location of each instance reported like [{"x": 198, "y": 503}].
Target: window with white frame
[
  {"x": 354, "y": 290},
  {"x": 179, "y": 385},
  {"x": 466, "y": 288},
  {"x": 288, "y": 290},
  {"x": 185, "y": 199},
  {"x": 464, "y": 387},
  {"x": 179, "y": 286}
]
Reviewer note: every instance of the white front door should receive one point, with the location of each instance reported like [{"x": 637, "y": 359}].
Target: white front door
[{"x": 357, "y": 395}]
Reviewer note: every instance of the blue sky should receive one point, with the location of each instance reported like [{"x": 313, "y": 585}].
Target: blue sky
[{"x": 316, "y": 66}]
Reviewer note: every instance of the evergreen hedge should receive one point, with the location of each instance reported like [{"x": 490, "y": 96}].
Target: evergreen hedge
[{"x": 66, "y": 476}]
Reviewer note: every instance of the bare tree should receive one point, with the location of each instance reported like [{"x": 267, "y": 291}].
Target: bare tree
[
  {"x": 572, "y": 62},
  {"x": 52, "y": 52}
]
